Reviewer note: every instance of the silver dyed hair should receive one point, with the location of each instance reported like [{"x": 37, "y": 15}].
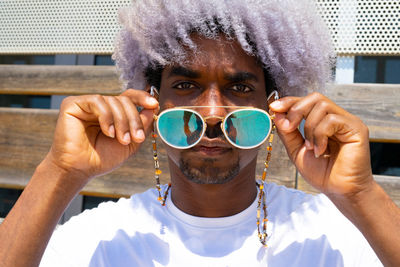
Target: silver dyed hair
[{"x": 287, "y": 36}]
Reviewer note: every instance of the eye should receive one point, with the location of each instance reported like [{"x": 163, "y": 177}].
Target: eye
[
  {"x": 241, "y": 88},
  {"x": 184, "y": 86}
]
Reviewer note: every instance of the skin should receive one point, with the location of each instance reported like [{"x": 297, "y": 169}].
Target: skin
[
  {"x": 95, "y": 134},
  {"x": 213, "y": 158}
]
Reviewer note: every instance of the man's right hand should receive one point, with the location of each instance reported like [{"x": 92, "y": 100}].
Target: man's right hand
[{"x": 95, "y": 134}]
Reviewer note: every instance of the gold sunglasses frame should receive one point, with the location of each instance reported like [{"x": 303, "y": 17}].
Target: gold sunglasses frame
[{"x": 274, "y": 94}]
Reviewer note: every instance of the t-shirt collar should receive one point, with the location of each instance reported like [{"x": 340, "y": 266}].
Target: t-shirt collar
[{"x": 205, "y": 222}]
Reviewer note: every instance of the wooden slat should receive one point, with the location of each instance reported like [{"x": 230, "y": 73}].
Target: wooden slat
[
  {"x": 391, "y": 185},
  {"x": 26, "y": 136},
  {"x": 376, "y": 104},
  {"x": 58, "y": 80}
]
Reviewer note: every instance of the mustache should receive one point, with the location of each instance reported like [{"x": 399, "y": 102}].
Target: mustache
[{"x": 207, "y": 173}]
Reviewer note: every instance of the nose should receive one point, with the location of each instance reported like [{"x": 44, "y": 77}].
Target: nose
[
  {"x": 213, "y": 98},
  {"x": 214, "y": 112}
]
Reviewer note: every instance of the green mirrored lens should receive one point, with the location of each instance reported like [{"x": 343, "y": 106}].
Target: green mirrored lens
[
  {"x": 247, "y": 128},
  {"x": 180, "y": 128}
]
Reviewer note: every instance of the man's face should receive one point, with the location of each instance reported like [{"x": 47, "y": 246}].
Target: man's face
[{"x": 220, "y": 74}]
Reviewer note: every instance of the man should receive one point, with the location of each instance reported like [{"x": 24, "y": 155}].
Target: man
[{"x": 215, "y": 56}]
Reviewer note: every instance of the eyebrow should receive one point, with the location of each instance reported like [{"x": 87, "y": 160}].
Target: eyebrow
[
  {"x": 241, "y": 76},
  {"x": 234, "y": 77},
  {"x": 182, "y": 71}
]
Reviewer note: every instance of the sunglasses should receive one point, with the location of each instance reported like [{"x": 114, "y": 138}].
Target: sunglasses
[{"x": 184, "y": 127}]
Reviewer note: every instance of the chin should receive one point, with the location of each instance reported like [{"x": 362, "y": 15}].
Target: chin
[{"x": 208, "y": 173}]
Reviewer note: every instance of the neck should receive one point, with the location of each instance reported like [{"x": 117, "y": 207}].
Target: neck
[{"x": 214, "y": 200}]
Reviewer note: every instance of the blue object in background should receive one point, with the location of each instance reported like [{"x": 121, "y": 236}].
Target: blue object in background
[
  {"x": 375, "y": 69},
  {"x": 384, "y": 156},
  {"x": 103, "y": 60}
]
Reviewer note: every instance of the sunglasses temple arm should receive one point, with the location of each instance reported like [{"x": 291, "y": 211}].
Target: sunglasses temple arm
[
  {"x": 271, "y": 98},
  {"x": 274, "y": 95},
  {"x": 154, "y": 92}
]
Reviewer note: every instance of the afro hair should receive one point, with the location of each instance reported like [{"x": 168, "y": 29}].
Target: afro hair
[{"x": 288, "y": 37}]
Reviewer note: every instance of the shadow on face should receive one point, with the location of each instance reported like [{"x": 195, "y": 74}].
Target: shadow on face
[{"x": 219, "y": 73}]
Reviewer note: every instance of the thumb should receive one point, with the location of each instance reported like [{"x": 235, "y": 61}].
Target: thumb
[
  {"x": 146, "y": 115},
  {"x": 291, "y": 138}
]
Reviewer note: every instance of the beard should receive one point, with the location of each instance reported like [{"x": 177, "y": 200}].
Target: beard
[{"x": 208, "y": 172}]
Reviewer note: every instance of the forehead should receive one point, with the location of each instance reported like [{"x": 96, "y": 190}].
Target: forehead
[{"x": 220, "y": 53}]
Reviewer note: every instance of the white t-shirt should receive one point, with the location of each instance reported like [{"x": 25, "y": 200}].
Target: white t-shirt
[{"x": 304, "y": 231}]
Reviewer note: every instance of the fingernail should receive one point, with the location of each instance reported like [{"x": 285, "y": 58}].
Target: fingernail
[
  {"x": 308, "y": 145},
  {"x": 140, "y": 134},
  {"x": 286, "y": 124},
  {"x": 127, "y": 137},
  {"x": 315, "y": 154},
  {"x": 152, "y": 101},
  {"x": 111, "y": 131},
  {"x": 276, "y": 104}
]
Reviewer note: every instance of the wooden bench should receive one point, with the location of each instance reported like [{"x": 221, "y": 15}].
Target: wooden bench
[{"x": 26, "y": 134}]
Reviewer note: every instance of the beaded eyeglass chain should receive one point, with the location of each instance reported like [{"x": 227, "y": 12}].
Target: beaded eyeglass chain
[
  {"x": 261, "y": 225},
  {"x": 161, "y": 197}
]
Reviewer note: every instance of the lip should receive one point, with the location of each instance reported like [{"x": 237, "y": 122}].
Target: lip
[{"x": 212, "y": 148}]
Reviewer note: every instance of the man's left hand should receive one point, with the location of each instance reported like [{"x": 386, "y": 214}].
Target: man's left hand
[{"x": 334, "y": 154}]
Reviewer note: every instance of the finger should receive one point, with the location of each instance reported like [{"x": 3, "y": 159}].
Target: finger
[
  {"x": 292, "y": 139},
  {"x": 330, "y": 125},
  {"x": 141, "y": 98},
  {"x": 91, "y": 108},
  {"x": 302, "y": 108},
  {"x": 147, "y": 118},
  {"x": 299, "y": 108},
  {"x": 282, "y": 105},
  {"x": 134, "y": 120},
  {"x": 285, "y": 105},
  {"x": 318, "y": 112},
  {"x": 120, "y": 120}
]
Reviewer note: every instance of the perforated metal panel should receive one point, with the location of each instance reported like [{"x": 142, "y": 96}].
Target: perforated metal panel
[
  {"x": 78, "y": 26},
  {"x": 51, "y": 26},
  {"x": 363, "y": 27}
]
